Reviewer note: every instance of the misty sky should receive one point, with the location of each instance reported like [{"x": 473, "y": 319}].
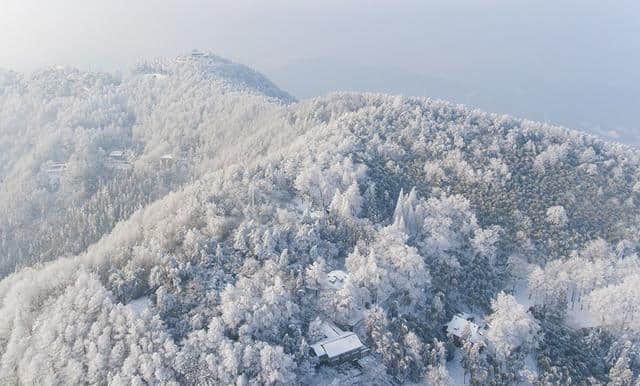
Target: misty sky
[{"x": 575, "y": 63}]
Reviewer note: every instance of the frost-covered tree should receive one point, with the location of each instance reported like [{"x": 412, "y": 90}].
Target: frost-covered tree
[
  {"x": 392, "y": 272},
  {"x": 511, "y": 327}
]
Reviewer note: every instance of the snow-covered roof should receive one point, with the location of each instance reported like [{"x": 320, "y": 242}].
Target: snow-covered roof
[
  {"x": 116, "y": 154},
  {"x": 332, "y": 281},
  {"x": 55, "y": 167},
  {"x": 167, "y": 157},
  {"x": 337, "y": 342},
  {"x": 342, "y": 345},
  {"x": 330, "y": 330},
  {"x": 457, "y": 326},
  {"x": 334, "y": 347}
]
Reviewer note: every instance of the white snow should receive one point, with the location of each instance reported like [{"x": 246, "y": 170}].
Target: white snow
[
  {"x": 456, "y": 372},
  {"x": 577, "y": 318},
  {"x": 138, "y": 306},
  {"x": 342, "y": 345},
  {"x": 334, "y": 347},
  {"x": 336, "y": 279},
  {"x": 531, "y": 367},
  {"x": 521, "y": 293},
  {"x": 331, "y": 331},
  {"x": 337, "y": 342}
]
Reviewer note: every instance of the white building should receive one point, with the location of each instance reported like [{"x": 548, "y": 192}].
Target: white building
[
  {"x": 117, "y": 155},
  {"x": 117, "y": 160},
  {"x": 460, "y": 324},
  {"x": 55, "y": 167},
  {"x": 338, "y": 346}
]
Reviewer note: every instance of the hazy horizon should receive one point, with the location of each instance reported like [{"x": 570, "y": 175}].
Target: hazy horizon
[{"x": 574, "y": 64}]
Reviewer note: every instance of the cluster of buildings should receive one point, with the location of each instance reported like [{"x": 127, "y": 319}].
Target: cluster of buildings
[
  {"x": 340, "y": 342},
  {"x": 338, "y": 346},
  {"x": 117, "y": 160}
]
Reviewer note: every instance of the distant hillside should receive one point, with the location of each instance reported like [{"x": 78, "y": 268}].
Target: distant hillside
[
  {"x": 187, "y": 108},
  {"x": 573, "y": 100},
  {"x": 177, "y": 224}
]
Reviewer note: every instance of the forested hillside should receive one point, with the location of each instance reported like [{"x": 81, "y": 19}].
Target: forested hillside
[{"x": 174, "y": 224}]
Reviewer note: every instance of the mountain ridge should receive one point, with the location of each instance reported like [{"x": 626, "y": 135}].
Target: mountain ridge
[{"x": 438, "y": 207}]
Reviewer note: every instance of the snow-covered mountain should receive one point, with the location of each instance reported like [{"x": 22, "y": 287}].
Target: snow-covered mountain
[{"x": 189, "y": 223}]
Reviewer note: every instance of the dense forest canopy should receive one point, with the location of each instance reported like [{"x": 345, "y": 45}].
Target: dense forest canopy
[{"x": 172, "y": 225}]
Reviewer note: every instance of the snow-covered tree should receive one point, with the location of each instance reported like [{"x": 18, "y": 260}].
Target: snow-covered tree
[{"x": 511, "y": 327}]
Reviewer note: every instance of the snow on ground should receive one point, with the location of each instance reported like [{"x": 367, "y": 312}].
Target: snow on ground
[
  {"x": 139, "y": 305},
  {"x": 456, "y": 372},
  {"x": 521, "y": 293},
  {"x": 576, "y": 318},
  {"x": 530, "y": 366}
]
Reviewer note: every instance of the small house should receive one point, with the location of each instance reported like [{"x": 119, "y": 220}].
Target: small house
[
  {"x": 338, "y": 346},
  {"x": 461, "y": 325},
  {"x": 117, "y": 160},
  {"x": 117, "y": 155},
  {"x": 53, "y": 168},
  {"x": 330, "y": 282}
]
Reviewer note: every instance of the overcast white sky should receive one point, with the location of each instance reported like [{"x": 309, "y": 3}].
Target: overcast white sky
[{"x": 573, "y": 62}]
